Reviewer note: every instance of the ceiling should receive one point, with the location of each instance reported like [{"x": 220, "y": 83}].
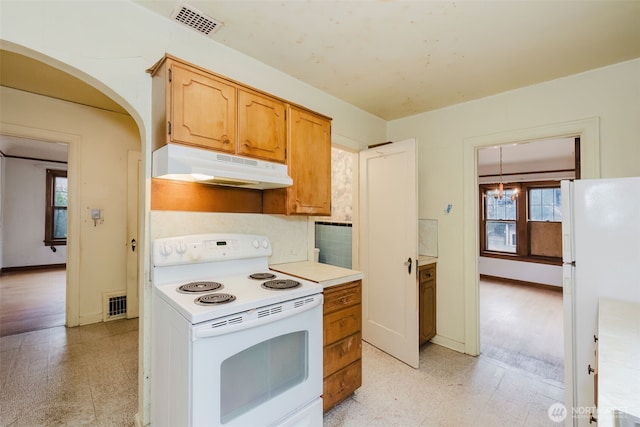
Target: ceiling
[
  {"x": 33, "y": 149},
  {"x": 399, "y": 58},
  {"x": 390, "y": 58}
]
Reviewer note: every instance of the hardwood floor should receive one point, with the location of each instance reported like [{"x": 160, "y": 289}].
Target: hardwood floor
[
  {"x": 522, "y": 326},
  {"x": 32, "y": 300}
]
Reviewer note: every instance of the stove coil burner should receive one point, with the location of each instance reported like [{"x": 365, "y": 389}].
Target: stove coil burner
[
  {"x": 197, "y": 287},
  {"x": 212, "y": 299},
  {"x": 281, "y": 284},
  {"x": 262, "y": 276}
]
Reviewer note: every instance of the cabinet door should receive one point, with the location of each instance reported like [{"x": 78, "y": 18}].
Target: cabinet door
[
  {"x": 309, "y": 164},
  {"x": 202, "y": 110},
  {"x": 427, "y": 311},
  {"x": 261, "y": 126},
  {"x": 427, "y": 304}
]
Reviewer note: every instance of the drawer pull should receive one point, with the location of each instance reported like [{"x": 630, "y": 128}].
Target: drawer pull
[{"x": 344, "y": 300}]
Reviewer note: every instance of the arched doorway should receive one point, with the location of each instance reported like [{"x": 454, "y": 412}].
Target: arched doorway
[{"x": 48, "y": 104}]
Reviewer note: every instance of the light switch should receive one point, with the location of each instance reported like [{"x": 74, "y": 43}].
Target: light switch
[{"x": 96, "y": 214}]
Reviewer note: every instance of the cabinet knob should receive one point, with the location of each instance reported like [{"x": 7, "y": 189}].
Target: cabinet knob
[
  {"x": 590, "y": 370},
  {"x": 595, "y": 338},
  {"x": 592, "y": 419}
]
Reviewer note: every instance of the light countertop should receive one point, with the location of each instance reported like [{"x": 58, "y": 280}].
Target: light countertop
[
  {"x": 426, "y": 260},
  {"x": 618, "y": 360},
  {"x": 324, "y": 274}
]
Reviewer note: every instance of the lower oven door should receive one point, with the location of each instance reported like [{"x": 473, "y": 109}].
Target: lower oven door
[{"x": 259, "y": 372}]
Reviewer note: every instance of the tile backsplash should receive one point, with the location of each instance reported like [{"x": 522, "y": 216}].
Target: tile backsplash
[
  {"x": 428, "y": 237},
  {"x": 334, "y": 242}
]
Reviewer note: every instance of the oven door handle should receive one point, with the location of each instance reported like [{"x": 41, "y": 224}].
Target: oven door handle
[{"x": 211, "y": 330}]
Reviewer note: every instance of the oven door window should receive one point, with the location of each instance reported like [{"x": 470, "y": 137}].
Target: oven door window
[{"x": 261, "y": 372}]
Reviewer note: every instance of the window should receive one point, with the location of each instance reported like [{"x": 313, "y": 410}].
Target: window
[
  {"x": 55, "y": 231},
  {"x": 544, "y": 204},
  {"x": 500, "y": 224},
  {"x": 524, "y": 224}
]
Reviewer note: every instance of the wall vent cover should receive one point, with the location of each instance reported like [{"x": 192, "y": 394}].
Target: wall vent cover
[
  {"x": 195, "y": 19},
  {"x": 114, "y": 306}
]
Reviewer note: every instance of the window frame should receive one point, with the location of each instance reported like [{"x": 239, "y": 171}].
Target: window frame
[
  {"x": 52, "y": 175},
  {"x": 522, "y": 222}
]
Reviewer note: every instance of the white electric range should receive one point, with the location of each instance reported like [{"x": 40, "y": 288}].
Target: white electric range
[{"x": 234, "y": 343}]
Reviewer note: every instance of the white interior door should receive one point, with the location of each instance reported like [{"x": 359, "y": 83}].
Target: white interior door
[
  {"x": 133, "y": 242},
  {"x": 389, "y": 246}
]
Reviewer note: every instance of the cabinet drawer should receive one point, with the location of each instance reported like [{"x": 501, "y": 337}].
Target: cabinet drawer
[
  {"x": 341, "y": 324},
  {"x": 427, "y": 273},
  {"x": 342, "y": 353},
  {"x": 341, "y": 385},
  {"x": 339, "y": 297}
]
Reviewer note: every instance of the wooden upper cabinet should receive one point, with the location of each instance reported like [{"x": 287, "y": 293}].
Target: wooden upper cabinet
[
  {"x": 261, "y": 126},
  {"x": 202, "y": 109},
  {"x": 309, "y": 161}
]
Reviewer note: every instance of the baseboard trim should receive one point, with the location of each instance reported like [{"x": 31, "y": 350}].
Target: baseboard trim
[
  {"x": 90, "y": 318},
  {"x": 522, "y": 283},
  {"x": 448, "y": 343},
  {"x": 27, "y": 268}
]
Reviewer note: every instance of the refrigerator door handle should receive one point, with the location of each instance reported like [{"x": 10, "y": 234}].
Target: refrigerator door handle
[{"x": 566, "y": 188}]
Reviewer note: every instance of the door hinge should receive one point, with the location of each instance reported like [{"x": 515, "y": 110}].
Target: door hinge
[
  {"x": 169, "y": 127},
  {"x": 169, "y": 75}
]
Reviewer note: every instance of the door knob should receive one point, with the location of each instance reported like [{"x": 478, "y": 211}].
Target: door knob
[{"x": 408, "y": 264}]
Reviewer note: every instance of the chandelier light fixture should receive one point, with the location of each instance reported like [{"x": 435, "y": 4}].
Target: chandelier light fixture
[{"x": 498, "y": 193}]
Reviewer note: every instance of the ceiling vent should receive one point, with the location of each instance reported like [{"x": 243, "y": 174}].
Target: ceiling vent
[{"x": 195, "y": 19}]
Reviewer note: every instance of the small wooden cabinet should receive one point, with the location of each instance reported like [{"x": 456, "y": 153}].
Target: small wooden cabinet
[
  {"x": 342, "y": 354},
  {"x": 309, "y": 161},
  {"x": 427, "y": 302},
  {"x": 206, "y": 110}
]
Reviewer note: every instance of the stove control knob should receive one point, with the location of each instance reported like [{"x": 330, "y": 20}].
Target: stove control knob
[
  {"x": 166, "y": 250},
  {"x": 181, "y": 248},
  {"x": 255, "y": 243},
  {"x": 265, "y": 244}
]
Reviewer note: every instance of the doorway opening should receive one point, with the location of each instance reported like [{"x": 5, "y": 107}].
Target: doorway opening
[
  {"x": 335, "y": 239},
  {"x": 520, "y": 252},
  {"x": 33, "y": 234}
]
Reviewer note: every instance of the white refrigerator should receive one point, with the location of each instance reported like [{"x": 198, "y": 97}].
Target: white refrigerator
[{"x": 601, "y": 256}]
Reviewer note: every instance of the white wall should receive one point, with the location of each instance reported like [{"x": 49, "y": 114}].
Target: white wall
[
  {"x": 524, "y": 271},
  {"x": 24, "y": 199},
  {"x": 100, "y": 181},
  {"x": 611, "y": 95}
]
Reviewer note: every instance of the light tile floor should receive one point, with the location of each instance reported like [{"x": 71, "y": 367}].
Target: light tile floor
[
  {"x": 449, "y": 389},
  {"x": 84, "y": 376},
  {"x": 87, "y": 376}
]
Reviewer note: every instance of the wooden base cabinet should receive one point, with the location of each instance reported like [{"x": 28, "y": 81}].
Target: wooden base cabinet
[
  {"x": 342, "y": 355},
  {"x": 427, "y": 302}
]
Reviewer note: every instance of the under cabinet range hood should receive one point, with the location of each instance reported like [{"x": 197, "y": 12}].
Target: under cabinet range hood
[{"x": 184, "y": 163}]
